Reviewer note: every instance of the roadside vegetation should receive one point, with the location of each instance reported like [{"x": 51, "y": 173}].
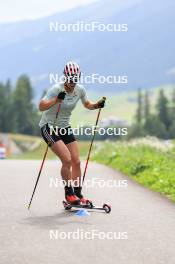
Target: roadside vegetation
[{"x": 152, "y": 167}]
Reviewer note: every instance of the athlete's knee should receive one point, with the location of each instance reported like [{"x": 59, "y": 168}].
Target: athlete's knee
[
  {"x": 66, "y": 162},
  {"x": 76, "y": 162}
]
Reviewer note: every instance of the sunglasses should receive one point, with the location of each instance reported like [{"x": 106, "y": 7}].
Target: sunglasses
[{"x": 73, "y": 79}]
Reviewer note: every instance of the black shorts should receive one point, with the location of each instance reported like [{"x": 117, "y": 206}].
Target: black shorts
[{"x": 64, "y": 134}]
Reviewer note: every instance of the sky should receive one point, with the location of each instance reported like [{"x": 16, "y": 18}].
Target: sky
[{"x": 16, "y": 10}]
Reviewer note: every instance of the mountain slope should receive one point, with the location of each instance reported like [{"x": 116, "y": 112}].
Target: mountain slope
[{"x": 144, "y": 53}]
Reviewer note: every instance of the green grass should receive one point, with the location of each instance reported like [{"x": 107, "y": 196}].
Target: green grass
[{"x": 146, "y": 165}]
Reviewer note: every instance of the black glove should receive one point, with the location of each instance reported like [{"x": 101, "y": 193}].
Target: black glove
[
  {"x": 61, "y": 95},
  {"x": 101, "y": 103}
]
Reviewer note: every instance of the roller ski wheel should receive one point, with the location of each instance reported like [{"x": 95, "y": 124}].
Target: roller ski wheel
[
  {"x": 89, "y": 204},
  {"x": 107, "y": 208},
  {"x": 66, "y": 205}
]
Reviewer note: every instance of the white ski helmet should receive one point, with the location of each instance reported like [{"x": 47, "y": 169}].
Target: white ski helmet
[{"x": 72, "y": 71}]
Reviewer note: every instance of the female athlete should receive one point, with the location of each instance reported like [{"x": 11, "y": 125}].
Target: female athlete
[{"x": 64, "y": 145}]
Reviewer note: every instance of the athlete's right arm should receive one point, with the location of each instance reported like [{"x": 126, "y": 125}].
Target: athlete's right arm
[
  {"x": 50, "y": 99},
  {"x": 45, "y": 104}
]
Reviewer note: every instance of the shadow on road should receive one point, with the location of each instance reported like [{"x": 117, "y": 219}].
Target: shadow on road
[{"x": 56, "y": 220}]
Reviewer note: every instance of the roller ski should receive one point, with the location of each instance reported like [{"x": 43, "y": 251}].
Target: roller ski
[
  {"x": 75, "y": 199},
  {"x": 89, "y": 205}
]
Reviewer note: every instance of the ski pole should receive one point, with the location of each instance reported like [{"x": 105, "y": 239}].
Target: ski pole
[
  {"x": 42, "y": 164},
  {"x": 92, "y": 140}
]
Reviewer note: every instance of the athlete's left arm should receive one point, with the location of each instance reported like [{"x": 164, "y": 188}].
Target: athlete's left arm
[{"x": 91, "y": 106}]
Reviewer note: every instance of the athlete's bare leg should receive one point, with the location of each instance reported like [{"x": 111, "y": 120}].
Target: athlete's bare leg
[
  {"x": 76, "y": 170},
  {"x": 75, "y": 160},
  {"x": 61, "y": 150}
]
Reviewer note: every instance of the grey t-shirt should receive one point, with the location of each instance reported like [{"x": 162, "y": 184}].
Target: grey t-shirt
[{"x": 66, "y": 108}]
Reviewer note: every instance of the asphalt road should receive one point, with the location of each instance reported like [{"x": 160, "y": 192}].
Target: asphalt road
[{"x": 143, "y": 222}]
